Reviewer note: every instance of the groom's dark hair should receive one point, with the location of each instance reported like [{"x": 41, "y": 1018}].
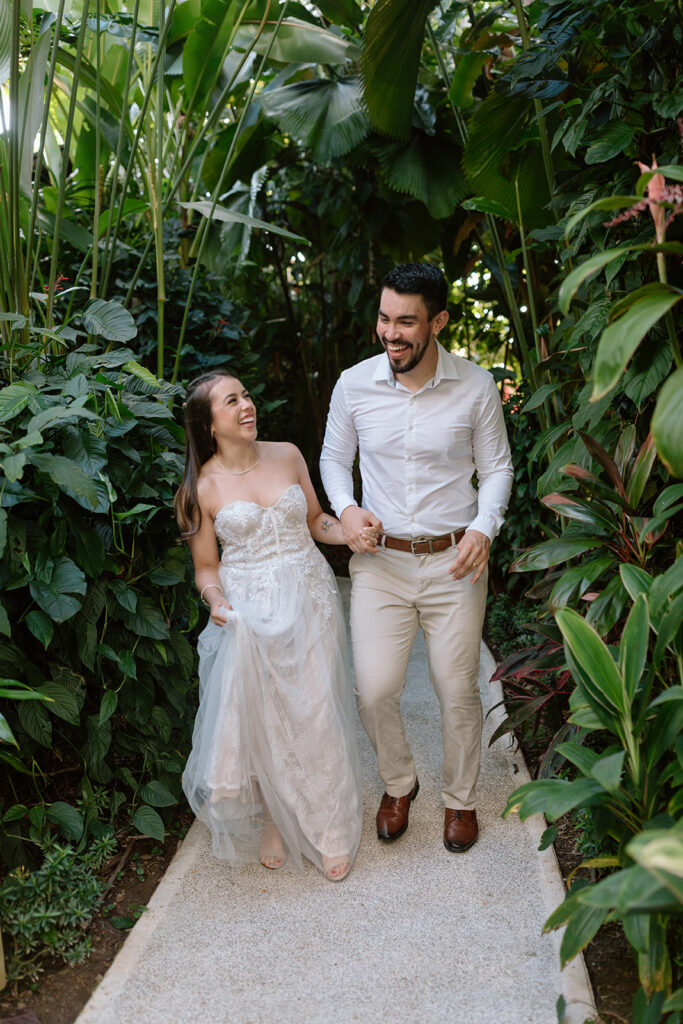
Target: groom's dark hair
[{"x": 423, "y": 279}]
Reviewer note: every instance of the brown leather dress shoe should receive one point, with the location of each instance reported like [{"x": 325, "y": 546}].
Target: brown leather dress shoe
[
  {"x": 460, "y": 830},
  {"x": 392, "y": 816}
]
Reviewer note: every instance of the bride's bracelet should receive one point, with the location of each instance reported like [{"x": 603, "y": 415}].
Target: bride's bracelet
[{"x": 208, "y": 587}]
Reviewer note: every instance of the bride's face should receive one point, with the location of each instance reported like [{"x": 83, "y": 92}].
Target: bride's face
[{"x": 233, "y": 416}]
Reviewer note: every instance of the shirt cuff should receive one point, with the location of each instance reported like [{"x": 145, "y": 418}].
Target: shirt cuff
[
  {"x": 486, "y": 524},
  {"x": 343, "y": 504}
]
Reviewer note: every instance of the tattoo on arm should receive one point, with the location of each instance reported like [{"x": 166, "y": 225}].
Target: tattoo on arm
[{"x": 325, "y": 525}]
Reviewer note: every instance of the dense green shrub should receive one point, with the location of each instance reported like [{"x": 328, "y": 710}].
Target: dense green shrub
[
  {"x": 46, "y": 912},
  {"x": 97, "y": 602}
]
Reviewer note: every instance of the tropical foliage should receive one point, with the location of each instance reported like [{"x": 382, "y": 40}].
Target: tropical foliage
[{"x": 211, "y": 181}]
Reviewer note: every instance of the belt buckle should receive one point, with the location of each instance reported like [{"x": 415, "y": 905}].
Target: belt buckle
[{"x": 425, "y": 540}]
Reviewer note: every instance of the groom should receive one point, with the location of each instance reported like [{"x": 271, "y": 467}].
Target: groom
[{"x": 423, "y": 420}]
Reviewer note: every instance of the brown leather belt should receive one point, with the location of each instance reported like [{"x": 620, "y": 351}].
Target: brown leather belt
[{"x": 422, "y": 546}]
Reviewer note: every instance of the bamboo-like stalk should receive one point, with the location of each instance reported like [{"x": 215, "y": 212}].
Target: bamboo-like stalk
[
  {"x": 65, "y": 163},
  {"x": 123, "y": 130},
  {"x": 173, "y": 188},
  {"x": 202, "y": 233},
  {"x": 35, "y": 194},
  {"x": 98, "y": 175},
  {"x": 142, "y": 116},
  {"x": 158, "y": 201}
]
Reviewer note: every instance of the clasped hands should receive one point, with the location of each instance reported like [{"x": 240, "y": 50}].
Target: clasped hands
[{"x": 362, "y": 530}]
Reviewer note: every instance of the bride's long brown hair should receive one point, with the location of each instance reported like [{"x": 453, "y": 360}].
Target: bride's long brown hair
[{"x": 200, "y": 445}]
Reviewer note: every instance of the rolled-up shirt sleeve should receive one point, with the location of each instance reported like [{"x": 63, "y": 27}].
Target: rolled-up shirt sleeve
[
  {"x": 493, "y": 463},
  {"x": 339, "y": 451}
]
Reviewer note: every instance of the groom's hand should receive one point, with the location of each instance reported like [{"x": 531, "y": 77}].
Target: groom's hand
[{"x": 361, "y": 529}]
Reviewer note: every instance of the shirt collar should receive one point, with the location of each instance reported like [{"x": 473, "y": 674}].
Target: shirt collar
[{"x": 446, "y": 368}]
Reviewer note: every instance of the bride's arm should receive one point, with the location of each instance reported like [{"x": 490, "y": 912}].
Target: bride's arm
[
  {"x": 204, "y": 550},
  {"x": 324, "y": 528}
]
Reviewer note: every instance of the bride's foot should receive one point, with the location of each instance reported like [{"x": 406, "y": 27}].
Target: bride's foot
[
  {"x": 336, "y": 868},
  {"x": 271, "y": 851}
]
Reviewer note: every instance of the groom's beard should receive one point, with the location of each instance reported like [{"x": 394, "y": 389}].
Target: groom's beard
[{"x": 413, "y": 354}]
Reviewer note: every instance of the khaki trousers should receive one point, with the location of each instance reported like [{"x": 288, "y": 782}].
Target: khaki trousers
[{"x": 394, "y": 592}]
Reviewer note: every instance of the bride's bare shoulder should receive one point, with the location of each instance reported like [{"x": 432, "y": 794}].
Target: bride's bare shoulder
[{"x": 283, "y": 451}]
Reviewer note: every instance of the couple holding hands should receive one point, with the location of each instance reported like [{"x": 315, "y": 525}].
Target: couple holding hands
[{"x": 274, "y": 769}]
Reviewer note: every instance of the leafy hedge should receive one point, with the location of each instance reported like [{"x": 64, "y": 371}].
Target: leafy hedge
[{"x": 96, "y": 608}]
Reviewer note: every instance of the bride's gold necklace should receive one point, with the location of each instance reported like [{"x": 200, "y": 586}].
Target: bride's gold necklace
[{"x": 239, "y": 472}]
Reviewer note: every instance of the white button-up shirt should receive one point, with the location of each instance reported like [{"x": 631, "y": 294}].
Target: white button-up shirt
[{"x": 419, "y": 450}]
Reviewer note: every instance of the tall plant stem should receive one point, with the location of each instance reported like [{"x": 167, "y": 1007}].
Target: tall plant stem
[
  {"x": 98, "y": 176},
  {"x": 492, "y": 227},
  {"x": 668, "y": 316},
  {"x": 202, "y": 234},
  {"x": 543, "y": 417},
  {"x": 142, "y": 121},
  {"x": 18, "y": 292},
  {"x": 123, "y": 129},
  {"x": 157, "y": 175},
  {"x": 542, "y": 130},
  {"x": 216, "y": 113},
  {"x": 35, "y": 196},
  {"x": 65, "y": 164}
]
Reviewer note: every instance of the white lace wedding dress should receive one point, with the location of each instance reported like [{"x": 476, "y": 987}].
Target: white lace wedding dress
[{"x": 276, "y": 721}]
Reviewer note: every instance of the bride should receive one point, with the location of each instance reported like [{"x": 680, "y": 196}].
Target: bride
[{"x": 274, "y": 769}]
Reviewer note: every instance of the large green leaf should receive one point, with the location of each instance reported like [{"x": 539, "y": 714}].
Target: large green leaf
[
  {"x": 205, "y": 49},
  {"x": 667, "y": 423},
  {"x": 67, "y": 818},
  {"x": 5, "y": 40},
  {"x": 634, "y": 645},
  {"x": 497, "y": 166},
  {"x": 31, "y": 101},
  {"x": 394, "y": 34},
  {"x": 660, "y": 852},
  {"x": 582, "y": 926},
  {"x": 109, "y": 319},
  {"x": 554, "y": 552},
  {"x": 427, "y": 169},
  {"x": 589, "y": 651},
  {"x": 148, "y": 822},
  {"x": 467, "y": 70},
  {"x": 608, "y": 770},
  {"x": 300, "y": 42},
  {"x": 620, "y": 340},
  {"x": 203, "y": 206},
  {"x": 67, "y": 475},
  {"x": 581, "y": 576},
  {"x": 341, "y": 12},
  {"x": 13, "y": 399},
  {"x": 62, "y": 702},
  {"x": 321, "y": 113},
  {"x": 156, "y": 794},
  {"x": 573, "y": 280},
  {"x": 612, "y": 139}
]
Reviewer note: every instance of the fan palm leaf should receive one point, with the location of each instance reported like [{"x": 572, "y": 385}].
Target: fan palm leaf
[
  {"x": 426, "y": 168},
  {"x": 323, "y": 115}
]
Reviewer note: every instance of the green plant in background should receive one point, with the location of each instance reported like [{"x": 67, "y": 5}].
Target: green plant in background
[
  {"x": 627, "y": 751},
  {"x": 96, "y": 594},
  {"x": 46, "y": 912}
]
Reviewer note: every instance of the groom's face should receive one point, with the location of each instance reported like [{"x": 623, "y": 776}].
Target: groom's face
[{"x": 404, "y": 329}]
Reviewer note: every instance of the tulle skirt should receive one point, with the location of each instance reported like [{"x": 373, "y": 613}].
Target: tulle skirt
[{"x": 275, "y": 734}]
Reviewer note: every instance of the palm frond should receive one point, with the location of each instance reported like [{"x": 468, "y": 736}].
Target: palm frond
[
  {"x": 427, "y": 169},
  {"x": 323, "y": 115},
  {"x": 394, "y": 35}
]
